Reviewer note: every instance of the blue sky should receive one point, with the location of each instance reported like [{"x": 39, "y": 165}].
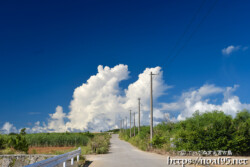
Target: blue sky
[{"x": 48, "y": 48}]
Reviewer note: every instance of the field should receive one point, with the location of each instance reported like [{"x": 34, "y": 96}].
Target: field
[
  {"x": 54, "y": 143},
  {"x": 49, "y": 150},
  {"x": 58, "y": 139},
  {"x": 208, "y": 131}
]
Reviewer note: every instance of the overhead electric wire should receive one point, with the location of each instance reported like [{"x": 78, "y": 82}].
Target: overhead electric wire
[
  {"x": 186, "y": 30},
  {"x": 192, "y": 34}
]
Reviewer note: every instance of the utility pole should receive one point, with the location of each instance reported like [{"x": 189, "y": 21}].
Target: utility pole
[
  {"x": 134, "y": 123},
  {"x": 120, "y": 125},
  {"x": 151, "y": 104},
  {"x": 139, "y": 115},
  {"x": 130, "y": 123},
  {"x": 126, "y": 123}
]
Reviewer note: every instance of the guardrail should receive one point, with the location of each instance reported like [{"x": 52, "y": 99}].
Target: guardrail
[{"x": 58, "y": 159}]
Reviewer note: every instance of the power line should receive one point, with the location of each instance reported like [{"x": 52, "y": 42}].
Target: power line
[
  {"x": 186, "y": 30},
  {"x": 192, "y": 34}
]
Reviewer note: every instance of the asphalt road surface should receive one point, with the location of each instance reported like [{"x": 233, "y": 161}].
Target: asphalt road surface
[{"x": 123, "y": 154}]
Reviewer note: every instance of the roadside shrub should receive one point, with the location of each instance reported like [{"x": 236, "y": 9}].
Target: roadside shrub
[
  {"x": 207, "y": 131},
  {"x": 101, "y": 150},
  {"x": 100, "y": 143},
  {"x": 141, "y": 140},
  {"x": 158, "y": 141},
  {"x": 2, "y": 142},
  {"x": 19, "y": 142},
  {"x": 240, "y": 143}
]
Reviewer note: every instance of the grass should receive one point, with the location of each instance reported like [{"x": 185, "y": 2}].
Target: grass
[
  {"x": 141, "y": 141},
  {"x": 9, "y": 151},
  {"x": 50, "y": 150}
]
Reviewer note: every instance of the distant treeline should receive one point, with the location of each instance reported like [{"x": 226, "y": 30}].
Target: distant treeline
[
  {"x": 210, "y": 131},
  {"x": 114, "y": 131}
]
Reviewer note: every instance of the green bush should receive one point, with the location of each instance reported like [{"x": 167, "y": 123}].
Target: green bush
[
  {"x": 21, "y": 144},
  {"x": 100, "y": 143},
  {"x": 208, "y": 131},
  {"x": 18, "y": 141},
  {"x": 141, "y": 140},
  {"x": 101, "y": 150},
  {"x": 2, "y": 142},
  {"x": 158, "y": 141},
  {"x": 240, "y": 143}
]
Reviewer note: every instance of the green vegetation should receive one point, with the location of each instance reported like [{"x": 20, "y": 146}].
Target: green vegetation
[
  {"x": 17, "y": 141},
  {"x": 57, "y": 139},
  {"x": 91, "y": 143},
  {"x": 208, "y": 131},
  {"x": 115, "y": 131},
  {"x": 99, "y": 144}
]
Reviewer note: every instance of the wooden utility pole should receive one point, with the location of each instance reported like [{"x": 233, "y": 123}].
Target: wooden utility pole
[
  {"x": 126, "y": 123},
  {"x": 151, "y": 104},
  {"x": 121, "y": 126},
  {"x": 134, "y": 123},
  {"x": 130, "y": 123},
  {"x": 139, "y": 115}
]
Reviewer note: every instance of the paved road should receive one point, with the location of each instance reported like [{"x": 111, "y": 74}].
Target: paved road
[{"x": 123, "y": 154}]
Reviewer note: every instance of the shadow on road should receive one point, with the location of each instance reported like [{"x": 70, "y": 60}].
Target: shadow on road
[{"x": 87, "y": 163}]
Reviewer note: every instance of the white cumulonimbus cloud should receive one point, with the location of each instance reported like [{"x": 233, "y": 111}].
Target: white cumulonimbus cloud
[{"x": 100, "y": 103}]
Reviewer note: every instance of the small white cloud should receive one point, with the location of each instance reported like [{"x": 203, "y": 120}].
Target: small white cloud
[
  {"x": 56, "y": 121},
  {"x": 8, "y": 128},
  {"x": 230, "y": 49},
  {"x": 228, "y": 92},
  {"x": 37, "y": 128},
  {"x": 37, "y": 123}
]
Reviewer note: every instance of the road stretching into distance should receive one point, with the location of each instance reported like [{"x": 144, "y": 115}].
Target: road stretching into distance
[{"x": 123, "y": 154}]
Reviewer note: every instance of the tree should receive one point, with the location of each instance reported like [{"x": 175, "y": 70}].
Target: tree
[
  {"x": 240, "y": 143},
  {"x": 19, "y": 142}
]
